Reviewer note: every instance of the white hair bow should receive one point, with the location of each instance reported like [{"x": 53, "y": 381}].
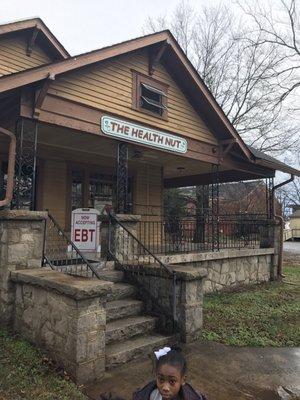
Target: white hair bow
[{"x": 162, "y": 352}]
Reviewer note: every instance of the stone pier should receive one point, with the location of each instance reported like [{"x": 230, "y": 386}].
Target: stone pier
[
  {"x": 65, "y": 316},
  {"x": 21, "y": 247}
]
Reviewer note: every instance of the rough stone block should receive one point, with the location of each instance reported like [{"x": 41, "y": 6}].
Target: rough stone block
[
  {"x": 14, "y": 235},
  {"x": 18, "y": 253}
]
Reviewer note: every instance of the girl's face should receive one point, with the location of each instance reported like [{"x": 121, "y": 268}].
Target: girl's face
[{"x": 169, "y": 381}]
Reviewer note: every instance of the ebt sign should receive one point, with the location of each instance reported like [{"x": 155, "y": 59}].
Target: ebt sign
[{"x": 85, "y": 231}]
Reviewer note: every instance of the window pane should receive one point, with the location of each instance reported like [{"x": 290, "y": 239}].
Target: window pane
[
  {"x": 100, "y": 191},
  {"x": 77, "y": 189}
]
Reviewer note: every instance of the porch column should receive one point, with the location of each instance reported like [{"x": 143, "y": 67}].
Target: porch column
[
  {"x": 122, "y": 179},
  {"x": 269, "y": 197},
  {"x": 202, "y": 205},
  {"x": 214, "y": 215},
  {"x": 25, "y": 167}
]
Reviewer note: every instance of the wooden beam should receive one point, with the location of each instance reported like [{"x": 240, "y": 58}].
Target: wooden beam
[
  {"x": 205, "y": 179},
  {"x": 63, "y": 112},
  {"x": 154, "y": 58},
  {"x": 41, "y": 96},
  {"x": 31, "y": 40},
  {"x": 227, "y": 146}
]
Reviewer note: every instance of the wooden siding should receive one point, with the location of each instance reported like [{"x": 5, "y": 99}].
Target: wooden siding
[
  {"x": 54, "y": 189},
  {"x": 147, "y": 196},
  {"x": 108, "y": 87},
  {"x": 13, "y": 56},
  {"x": 148, "y": 201}
]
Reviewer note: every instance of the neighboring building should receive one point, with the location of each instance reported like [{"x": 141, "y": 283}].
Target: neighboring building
[{"x": 294, "y": 222}]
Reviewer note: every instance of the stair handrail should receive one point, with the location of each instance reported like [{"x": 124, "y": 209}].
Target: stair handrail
[
  {"x": 169, "y": 270},
  {"x": 70, "y": 243}
]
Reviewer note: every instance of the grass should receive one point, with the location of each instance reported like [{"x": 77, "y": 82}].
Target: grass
[
  {"x": 25, "y": 373},
  {"x": 263, "y": 315}
]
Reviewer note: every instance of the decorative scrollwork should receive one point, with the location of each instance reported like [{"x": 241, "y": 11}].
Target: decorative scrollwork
[
  {"x": 122, "y": 179},
  {"x": 214, "y": 215},
  {"x": 25, "y": 167},
  {"x": 270, "y": 197}
]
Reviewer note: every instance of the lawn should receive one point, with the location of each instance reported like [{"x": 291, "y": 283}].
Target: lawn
[
  {"x": 25, "y": 373},
  {"x": 263, "y": 315}
]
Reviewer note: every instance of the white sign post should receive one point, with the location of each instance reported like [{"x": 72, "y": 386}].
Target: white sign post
[{"x": 85, "y": 230}]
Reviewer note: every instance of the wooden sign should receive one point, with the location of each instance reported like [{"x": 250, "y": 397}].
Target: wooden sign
[{"x": 136, "y": 133}]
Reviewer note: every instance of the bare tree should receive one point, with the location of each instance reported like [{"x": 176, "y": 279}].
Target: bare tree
[
  {"x": 280, "y": 27},
  {"x": 242, "y": 69}
]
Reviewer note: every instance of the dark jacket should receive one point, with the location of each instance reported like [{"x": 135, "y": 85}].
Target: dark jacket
[{"x": 187, "y": 392}]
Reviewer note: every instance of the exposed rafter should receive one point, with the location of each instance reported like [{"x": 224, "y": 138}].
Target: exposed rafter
[
  {"x": 226, "y": 146},
  {"x": 154, "y": 57},
  {"x": 41, "y": 96},
  {"x": 31, "y": 40}
]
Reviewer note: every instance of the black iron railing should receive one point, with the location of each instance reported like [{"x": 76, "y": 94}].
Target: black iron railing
[
  {"x": 202, "y": 233},
  {"x": 61, "y": 254},
  {"x": 132, "y": 255}
]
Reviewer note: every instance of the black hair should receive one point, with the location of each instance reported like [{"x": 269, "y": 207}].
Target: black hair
[{"x": 175, "y": 358}]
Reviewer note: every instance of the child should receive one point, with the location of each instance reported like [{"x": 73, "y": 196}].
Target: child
[{"x": 170, "y": 382}]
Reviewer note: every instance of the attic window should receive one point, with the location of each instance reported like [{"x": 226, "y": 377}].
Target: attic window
[{"x": 149, "y": 95}]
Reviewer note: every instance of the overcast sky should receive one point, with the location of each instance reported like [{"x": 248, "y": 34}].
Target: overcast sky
[{"x": 83, "y": 25}]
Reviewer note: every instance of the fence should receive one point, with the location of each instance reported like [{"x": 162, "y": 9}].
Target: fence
[{"x": 204, "y": 233}]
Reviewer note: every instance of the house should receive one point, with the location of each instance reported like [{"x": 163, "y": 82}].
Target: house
[
  {"x": 103, "y": 131},
  {"x": 294, "y": 223}
]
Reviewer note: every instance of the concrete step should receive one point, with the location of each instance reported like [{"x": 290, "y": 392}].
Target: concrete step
[
  {"x": 126, "y": 328},
  {"x": 123, "y": 308},
  {"x": 122, "y": 291},
  {"x": 139, "y": 347}
]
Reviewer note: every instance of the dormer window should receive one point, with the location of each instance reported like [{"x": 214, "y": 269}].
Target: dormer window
[{"x": 149, "y": 95}]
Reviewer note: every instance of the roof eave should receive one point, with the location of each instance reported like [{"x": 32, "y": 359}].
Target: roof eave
[
  {"x": 32, "y": 23},
  {"x": 278, "y": 166}
]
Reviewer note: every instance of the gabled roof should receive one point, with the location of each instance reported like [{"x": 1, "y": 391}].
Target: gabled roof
[
  {"x": 36, "y": 23},
  {"x": 179, "y": 65}
]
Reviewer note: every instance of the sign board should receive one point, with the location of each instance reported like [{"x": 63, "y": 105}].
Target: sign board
[
  {"x": 85, "y": 230},
  {"x": 141, "y": 134}
]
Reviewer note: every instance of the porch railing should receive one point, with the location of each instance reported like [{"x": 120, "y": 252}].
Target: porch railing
[
  {"x": 203, "y": 233},
  {"x": 61, "y": 254},
  {"x": 133, "y": 256}
]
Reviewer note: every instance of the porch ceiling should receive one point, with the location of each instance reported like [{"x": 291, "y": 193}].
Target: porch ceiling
[{"x": 83, "y": 147}]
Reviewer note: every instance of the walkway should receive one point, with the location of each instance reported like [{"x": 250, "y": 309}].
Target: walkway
[{"x": 221, "y": 372}]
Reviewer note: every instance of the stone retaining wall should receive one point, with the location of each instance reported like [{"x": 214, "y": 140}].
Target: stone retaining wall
[
  {"x": 65, "y": 316},
  {"x": 229, "y": 268},
  {"x": 231, "y": 272}
]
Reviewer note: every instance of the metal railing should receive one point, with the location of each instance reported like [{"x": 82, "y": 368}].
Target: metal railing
[
  {"x": 194, "y": 234},
  {"x": 61, "y": 254},
  {"x": 133, "y": 256}
]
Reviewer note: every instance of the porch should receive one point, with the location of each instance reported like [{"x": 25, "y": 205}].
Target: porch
[{"x": 60, "y": 169}]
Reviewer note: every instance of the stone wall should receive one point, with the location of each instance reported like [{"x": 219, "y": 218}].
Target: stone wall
[
  {"x": 65, "y": 316},
  {"x": 230, "y": 272},
  {"x": 156, "y": 289},
  {"x": 229, "y": 268},
  {"x": 21, "y": 247}
]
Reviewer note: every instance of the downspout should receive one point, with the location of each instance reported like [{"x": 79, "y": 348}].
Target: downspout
[
  {"x": 10, "y": 168},
  {"x": 281, "y": 222}
]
